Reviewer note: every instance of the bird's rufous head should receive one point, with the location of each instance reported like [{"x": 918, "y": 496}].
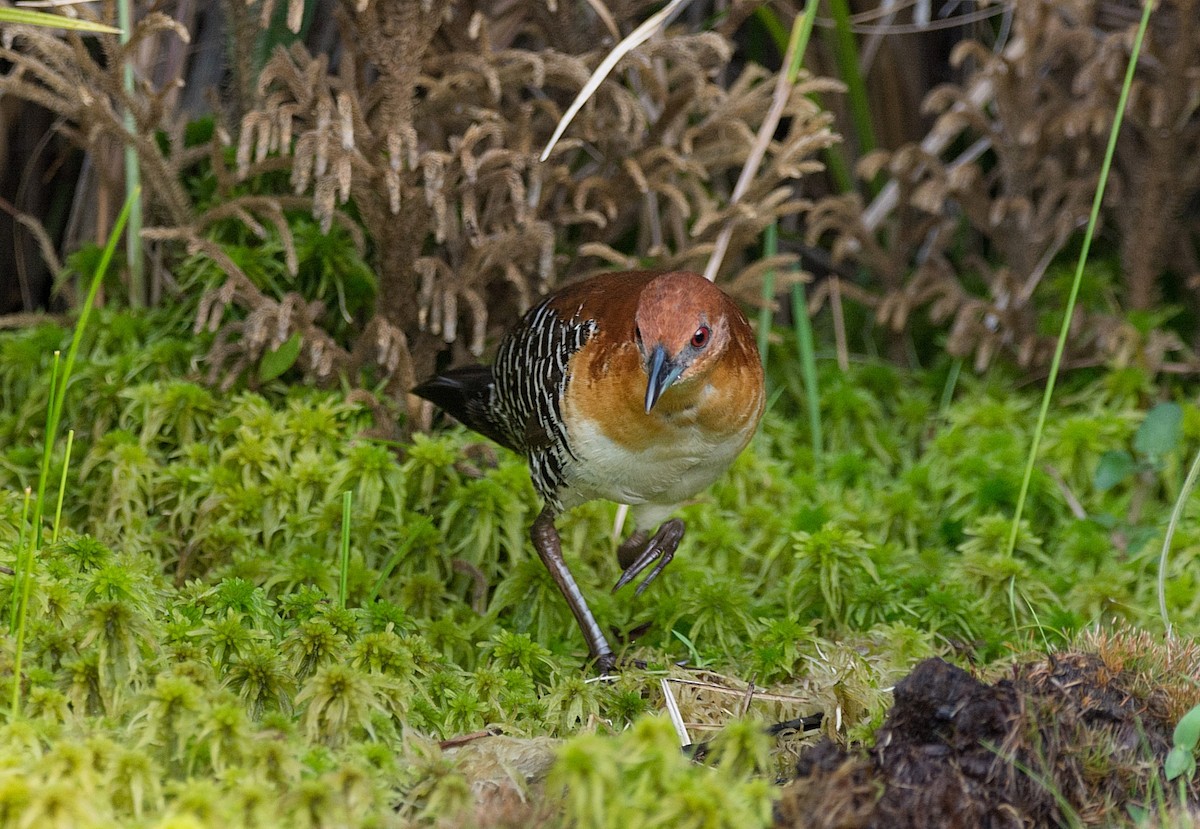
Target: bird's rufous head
[{"x": 682, "y": 329}]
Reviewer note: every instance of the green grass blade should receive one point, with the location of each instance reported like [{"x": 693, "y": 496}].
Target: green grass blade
[
  {"x": 58, "y": 393},
  {"x": 1066, "y": 810},
  {"x": 27, "y": 17},
  {"x": 778, "y": 33},
  {"x": 22, "y": 581},
  {"x": 1093, "y": 218},
  {"x": 62, "y": 487},
  {"x": 784, "y": 84},
  {"x": 839, "y": 168},
  {"x": 835, "y": 161},
  {"x": 22, "y": 575},
  {"x": 798, "y": 43},
  {"x": 770, "y": 248},
  {"x": 22, "y": 615},
  {"x": 19, "y": 561},
  {"x": 808, "y": 364},
  {"x": 845, "y": 52},
  {"x": 81, "y": 324},
  {"x": 17, "y": 582},
  {"x": 951, "y": 385},
  {"x": 1185, "y": 492},
  {"x": 344, "y": 575},
  {"x": 133, "y": 173}
]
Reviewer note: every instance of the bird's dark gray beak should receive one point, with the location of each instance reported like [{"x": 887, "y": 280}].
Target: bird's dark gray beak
[{"x": 662, "y": 372}]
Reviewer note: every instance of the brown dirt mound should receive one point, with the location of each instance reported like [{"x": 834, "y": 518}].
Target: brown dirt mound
[{"x": 1066, "y": 741}]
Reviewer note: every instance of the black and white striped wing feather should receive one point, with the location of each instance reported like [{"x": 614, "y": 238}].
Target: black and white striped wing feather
[{"x": 530, "y": 377}]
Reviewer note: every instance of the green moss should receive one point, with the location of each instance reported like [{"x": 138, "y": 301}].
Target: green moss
[
  {"x": 187, "y": 662},
  {"x": 641, "y": 778}
]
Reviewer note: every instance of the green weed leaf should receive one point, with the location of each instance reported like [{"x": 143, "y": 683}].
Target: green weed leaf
[
  {"x": 275, "y": 363},
  {"x": 1187, "y": 732},
  {"x": 1180, "y": 762},
  {"x": 1114, "y": 467},
  {"x": 1160, "y": 431}
]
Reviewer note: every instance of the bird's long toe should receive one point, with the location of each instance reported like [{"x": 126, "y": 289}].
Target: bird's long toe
[
  {"x": 631, "y": 548},
  {"x": 661, "y": 549}
]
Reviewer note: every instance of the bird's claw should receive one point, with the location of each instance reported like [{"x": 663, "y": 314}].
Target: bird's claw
[
  {"x": 605, "y": 663},
  {"x": 609, "y": 664},
  {"x": 660, "y": 548}
]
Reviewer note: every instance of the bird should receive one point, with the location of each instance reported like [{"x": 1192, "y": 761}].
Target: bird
[{"x": 639, "y": 387}]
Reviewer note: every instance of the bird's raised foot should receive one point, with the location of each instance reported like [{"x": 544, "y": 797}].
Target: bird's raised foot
[{"x": 660, "y": 548}]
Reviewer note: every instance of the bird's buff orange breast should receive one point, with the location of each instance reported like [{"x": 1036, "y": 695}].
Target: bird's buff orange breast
[
  {"x": 623, "y": 454},
  {"x": 609, "y": 389}
]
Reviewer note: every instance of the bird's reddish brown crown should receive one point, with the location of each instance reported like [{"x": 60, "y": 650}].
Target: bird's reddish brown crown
[{"x": 720, "y": 388}]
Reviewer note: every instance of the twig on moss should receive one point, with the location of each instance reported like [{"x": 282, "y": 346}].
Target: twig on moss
[
  {"x": 1073, "y": 503},
  {"x": 673, "y": 712},
  {"x": 797, "y": 44},
  {"x": 636, "y": 38}
]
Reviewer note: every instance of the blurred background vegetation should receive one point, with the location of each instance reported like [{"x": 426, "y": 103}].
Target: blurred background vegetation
[
  {"x": 349, "y": 193},
  {"x": 359, "y": 182}
]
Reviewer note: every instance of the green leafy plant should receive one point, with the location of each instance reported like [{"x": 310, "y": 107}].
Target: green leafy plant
[
  {"x": 1158, "y": 435},
  {"x": 191, "y": 608},
  {"x": 642, "y": 777},
  {"x": 1181, "y": 761},
  {"x": 23, "y": 577}
]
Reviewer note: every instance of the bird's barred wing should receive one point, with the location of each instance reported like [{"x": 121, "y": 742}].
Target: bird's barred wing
[{"x": 531, "y": 373}]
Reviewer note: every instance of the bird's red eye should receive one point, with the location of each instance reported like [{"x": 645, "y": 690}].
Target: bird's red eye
[{"x": 700, "y": 338}]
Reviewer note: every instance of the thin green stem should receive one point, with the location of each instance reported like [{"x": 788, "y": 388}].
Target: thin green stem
[
  {"x": 16, "y": 690},
  {"x": 397, "y": 554},
  {"x": 835, "y": 161},
  {"x": 345, "y": 550},
  {"x": 27, "y": 17},
  {"x": 1064, "y": 806},
  {"x": 1189, "y": 483},
  {"x": 845, "y": 52},
  {"x": 808, "y": 364},
  {"x": 951, "y": 385},
  {"x": 84, "y": 314},
  {"x": 22, "y": 617},
  {"x": 133, "y": 171},
  {"x": 798, "y": 43},
  {"x": 774, "y": 26},
  {"x": 19, "y": 563},
  {"x": 58, "y": 393},
  {"x": 22, "y": 576},
  {"x": 770, "y": 248},
  {"x": 801, "y": 32},
  {"x": 1093, "y": 218},
  {"x": 62, "y": 487}
]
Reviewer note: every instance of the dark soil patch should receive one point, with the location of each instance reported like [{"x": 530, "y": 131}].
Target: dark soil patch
[{"x": 1066, "y": 741}]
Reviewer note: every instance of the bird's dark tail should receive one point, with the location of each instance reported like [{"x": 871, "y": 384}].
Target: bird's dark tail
[{"x": 466, "y": 393}]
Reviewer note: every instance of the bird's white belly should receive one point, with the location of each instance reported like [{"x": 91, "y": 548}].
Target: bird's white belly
[{"x": 665, "y": 472}]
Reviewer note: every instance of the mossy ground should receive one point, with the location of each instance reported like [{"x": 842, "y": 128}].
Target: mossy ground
[{"x": 188, "y": 661}]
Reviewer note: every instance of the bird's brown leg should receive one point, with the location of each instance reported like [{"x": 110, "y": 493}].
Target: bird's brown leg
[
  {"x": 549, "y": 548},
  {"x": 661, "y": 547}
]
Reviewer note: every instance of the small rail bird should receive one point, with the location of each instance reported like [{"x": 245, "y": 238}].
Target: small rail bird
[{"x": 637, "y": 387}]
